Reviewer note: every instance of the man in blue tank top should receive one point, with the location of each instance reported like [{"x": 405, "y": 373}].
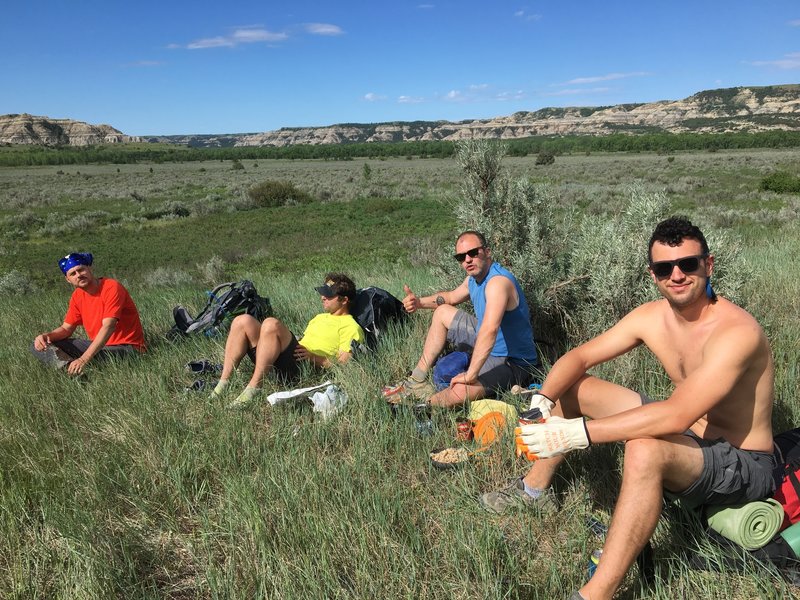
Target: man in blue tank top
[{"x": 498, "y": 338}]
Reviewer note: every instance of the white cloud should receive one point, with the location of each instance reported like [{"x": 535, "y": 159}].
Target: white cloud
[
  {"x": 789, "y": 61},
  {"x": 515, "y": 95},
  {"x": 477, "y": 87},
  {"x": 242, "y": 35},
  {"x": 454, "y": 96},
  {"x": 795, "y": 23},
  {"x": 250, "y": 35},
  {"x": 410, "y": 100},
  {"x": 323, "y": 29},
  {"x": 372, "y": 97},
  {"x": 215, "y": 42},
  {"x": 578, "y": 91},
  {"x": 524, "y": 15},
  {"x": 608, "y": 77}
]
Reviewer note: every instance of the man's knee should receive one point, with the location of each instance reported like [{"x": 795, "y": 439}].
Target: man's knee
[
  {"x": 272, "y": 327},
  {"x": 243, "y": 321},
  {"x": 651, "y": 456}
]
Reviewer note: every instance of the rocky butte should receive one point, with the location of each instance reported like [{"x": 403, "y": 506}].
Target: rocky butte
[
  {"x": 740, "y": 109},
  {"x": 30, "y": 129}
]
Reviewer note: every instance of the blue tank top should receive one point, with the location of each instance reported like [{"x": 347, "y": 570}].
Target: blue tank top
[{"x": 515, "y": 336}]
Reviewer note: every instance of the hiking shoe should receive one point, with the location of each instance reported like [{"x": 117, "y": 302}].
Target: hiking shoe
[
  {"x": 408, "y": 390},
  {"x": 198, "y": 367},
  {"x": 196, "y": 386},
  {"x": 514, "y": 497}
]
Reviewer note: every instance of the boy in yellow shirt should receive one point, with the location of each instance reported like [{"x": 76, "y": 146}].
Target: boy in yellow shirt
[{"x": 271, "y": 346}]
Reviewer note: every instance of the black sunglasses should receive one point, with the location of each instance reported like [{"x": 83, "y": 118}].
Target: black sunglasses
[
  {"x": 687, "y": 264},
  {"x": 460, "y": 256}
]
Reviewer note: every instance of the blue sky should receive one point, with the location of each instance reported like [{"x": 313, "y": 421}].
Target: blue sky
[{"x": 175, "y": 67}]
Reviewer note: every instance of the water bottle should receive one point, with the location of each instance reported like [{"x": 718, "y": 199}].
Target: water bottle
[
  {"x": 422, "y": 419},
  {"x": 594, "y": 559}
]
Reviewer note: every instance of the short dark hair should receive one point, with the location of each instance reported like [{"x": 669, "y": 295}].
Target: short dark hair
[
  {"x": 477, "y": 234},
  {"x": 673, "y": 231},
  {"x": 342, "y": 285}
]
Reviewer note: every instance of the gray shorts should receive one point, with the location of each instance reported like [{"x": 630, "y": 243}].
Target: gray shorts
[
  {"x": 498, "y": 373},
  {"x": 729, "y": 476},
  {"x": 59, "y": 354}
]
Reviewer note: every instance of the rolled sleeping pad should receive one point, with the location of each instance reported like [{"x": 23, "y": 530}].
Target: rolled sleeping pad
[{"x": 750, "y": 525}]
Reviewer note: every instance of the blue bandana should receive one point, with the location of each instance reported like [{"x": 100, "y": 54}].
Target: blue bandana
[{"x": 74, "y": 259}]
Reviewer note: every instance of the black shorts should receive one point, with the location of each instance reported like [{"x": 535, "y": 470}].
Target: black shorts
[{"x": 286, "y": 366}]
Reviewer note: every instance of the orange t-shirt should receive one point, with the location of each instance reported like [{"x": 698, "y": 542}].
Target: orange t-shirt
[{"x": 111, "y": 301}]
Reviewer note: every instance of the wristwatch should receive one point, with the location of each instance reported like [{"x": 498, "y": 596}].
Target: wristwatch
[{"x": 439, "y": 300}]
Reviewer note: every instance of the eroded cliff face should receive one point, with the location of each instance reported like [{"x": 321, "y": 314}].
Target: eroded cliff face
[
  {"x": 715, "y": 111},
  {"x": 746, "y": 109},
  {"x": 30, "y": 129}
]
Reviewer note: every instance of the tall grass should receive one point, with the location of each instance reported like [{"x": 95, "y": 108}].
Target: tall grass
[{"x": 124, "y": 485}]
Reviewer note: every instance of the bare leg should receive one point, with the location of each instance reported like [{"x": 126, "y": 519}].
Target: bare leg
[
  {"x": 651, "y": 465},
  {"x": 437, "y": 336},
  {"x": 453, "y": 396},
  {"x": 274, "y": 337},
  {"x": 591, "y": 397},
  {"x": 242, "y": 336}
]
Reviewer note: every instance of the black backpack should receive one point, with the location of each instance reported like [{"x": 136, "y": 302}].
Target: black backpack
[
  {"x": 225, "y": 301},
  {"x": 374, "y": 309}
]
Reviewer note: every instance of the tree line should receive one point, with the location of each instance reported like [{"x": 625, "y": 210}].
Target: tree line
[{"x": 15, "y": 156}]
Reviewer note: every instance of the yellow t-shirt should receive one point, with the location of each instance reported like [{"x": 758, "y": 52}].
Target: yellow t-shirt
[{"x": 327, "y": 335}]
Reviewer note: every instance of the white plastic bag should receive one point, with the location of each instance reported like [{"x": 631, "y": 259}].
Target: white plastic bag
[
  {"x": 329, "y": 402},
  {"x": 277, "y": 397}
]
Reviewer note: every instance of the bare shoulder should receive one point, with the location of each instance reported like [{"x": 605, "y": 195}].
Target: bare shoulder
[
  {"x": 733, "y": 323},
  {"x": 647, "y": 315},
  {"x": 499, "y": 284}
]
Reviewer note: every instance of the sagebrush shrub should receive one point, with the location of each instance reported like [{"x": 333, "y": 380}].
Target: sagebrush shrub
[
  {"x": 781, "y": 182},
  {"x": 580, "y": 275},
  {"x": 277, "y": 193}
]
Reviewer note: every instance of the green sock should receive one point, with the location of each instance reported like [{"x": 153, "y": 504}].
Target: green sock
[
  {"x": 220, "y": 388},
  {"x": 246, "y": 397}
]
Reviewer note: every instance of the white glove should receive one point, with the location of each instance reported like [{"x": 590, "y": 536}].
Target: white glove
[
  {"x": 554, "y": 437},
  {"x": 543, "y": 403}
]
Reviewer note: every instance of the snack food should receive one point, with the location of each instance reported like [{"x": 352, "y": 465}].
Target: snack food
[{"x": 450, "y": 455}]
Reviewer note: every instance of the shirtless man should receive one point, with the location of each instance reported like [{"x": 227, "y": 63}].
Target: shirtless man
[{"x": 710, "y": 442}]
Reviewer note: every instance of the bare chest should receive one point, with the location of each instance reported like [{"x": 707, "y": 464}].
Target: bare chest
[{"x": 680, "y": 350}]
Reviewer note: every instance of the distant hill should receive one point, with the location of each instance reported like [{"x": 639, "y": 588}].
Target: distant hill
[
  {"x": 30, "y": 129},
  {"x": 740, "y": 109}
]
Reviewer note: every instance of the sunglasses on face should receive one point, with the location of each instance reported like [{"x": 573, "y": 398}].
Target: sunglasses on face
[
  {"x": 687, "y": 264},
  {"x": 461, "y": 256}
]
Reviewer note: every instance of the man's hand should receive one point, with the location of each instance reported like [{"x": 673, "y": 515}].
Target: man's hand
[
  {"x": 76, "y": 366},
  {"x": 302, "y": 353},
  {"x": 41, "y": 342},
  {"x": 464, "y": 378},
  {"x": 411, "y": 303},
  {"x": 543, "y": 403},
  {"x": 554, "y": 437}
]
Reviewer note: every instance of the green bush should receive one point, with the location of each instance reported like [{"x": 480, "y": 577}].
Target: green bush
[
  {"x": 277, "y": 193},
  {"x": 545, "y": 157},
  {"x": 781, "y": 182},
  {"x": 579, "y": 275}
]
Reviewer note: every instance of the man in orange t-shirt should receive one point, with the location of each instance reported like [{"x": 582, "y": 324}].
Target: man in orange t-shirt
[{"x": 105, "y": 310}]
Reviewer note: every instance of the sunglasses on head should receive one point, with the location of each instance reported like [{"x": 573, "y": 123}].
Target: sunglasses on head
[
  {"x": 461, "y": 256},
  {"x": 687, "y": 264}
]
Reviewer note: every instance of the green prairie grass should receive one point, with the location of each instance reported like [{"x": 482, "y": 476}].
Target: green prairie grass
[{"x": 123, "y": 485}]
